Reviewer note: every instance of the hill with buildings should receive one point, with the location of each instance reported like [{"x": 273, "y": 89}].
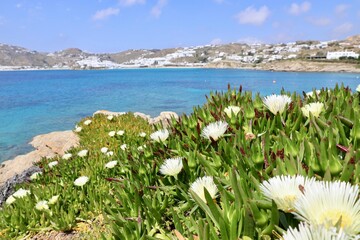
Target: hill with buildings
[{"x": 340, "y": 55}]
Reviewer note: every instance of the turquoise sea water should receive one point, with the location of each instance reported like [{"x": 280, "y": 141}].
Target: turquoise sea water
[{"x": 36, "y": 102}]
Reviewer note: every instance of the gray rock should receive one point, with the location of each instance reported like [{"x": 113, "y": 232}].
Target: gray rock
[{"x": 8, "y": 188}]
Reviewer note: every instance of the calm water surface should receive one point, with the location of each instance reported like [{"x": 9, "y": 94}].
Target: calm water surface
[{"x": 36, "y": 102}]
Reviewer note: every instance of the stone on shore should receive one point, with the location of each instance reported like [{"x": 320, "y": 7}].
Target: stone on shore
[
  {"x": 163, "y": 118},
  {"x": 46, "y": 145}
]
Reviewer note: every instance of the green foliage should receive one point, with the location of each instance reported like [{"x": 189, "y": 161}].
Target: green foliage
[{"x": 140, "y": 203}]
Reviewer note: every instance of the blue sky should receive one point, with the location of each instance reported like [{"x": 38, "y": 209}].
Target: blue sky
[{"x": 117, "y": 25}]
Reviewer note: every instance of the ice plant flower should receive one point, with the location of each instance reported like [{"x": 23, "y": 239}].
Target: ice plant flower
[
  {"x": 276, "y": 103},
  {"x": 112, "y": 133},
  {"x": 110, "y": 153},
  {"x": 171, "y": 166},
  {"x": 53, "y": 199},
  {"x": 81, "y": 181},
  {"x": 10, "y": 200},
  {"x": 141, "y": 148},
  {"x": 310, "y": 94},
  {"x": 78, "y": 129},
  {"x": 285, "y": 190},
  {"x": 204, "y": 182},
  {"x": 87, "y": 122},
  {"x": 111, "y": 164},
  {"x": 232, "y": 110},
  {"x": 82, "y": 153},
  {"x": 21, "y": 193},
  {"x": 66, "y": 156},
  {"x": 120, "y": 132},
  {"x": 331, "y": 204},
  {"x": 35, "y": 175},
  {"x": 160, "y": 135},
  {"x": 42, "y": 205},
  {"x": 310, "y": 232},
  {"x": 53, "y": 164},
  {"x": 142, "y": 134},
  {"x": 104, "y": 149},
  {"x": 214, "y": 130},
  {"x": 314, "y": 108},
  {"x": 358, "y": 88},
  {"x": 123, "y": 147},
  {"x": 110, "y": 117}
]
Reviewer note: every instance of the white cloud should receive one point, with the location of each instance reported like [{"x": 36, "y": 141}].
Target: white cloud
[
  {"x": 219, "y": 1},
  {"x": 18, "y": 5},
  {"x": 216, "y": 41},
  {"x": 131, "y": 2},
  {"x": 320, "y": 21},
  {"x": 253, "y": 16},
  {"x": 341, "y": 9},
  {"x": 297, "y": 9},
  {"x": 157, "y": 9},
  {"x": 343, "y": 29},
  {"x": 105, "y": 13}
]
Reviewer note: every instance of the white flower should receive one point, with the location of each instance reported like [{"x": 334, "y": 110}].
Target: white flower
[
  {"x": 104, "y": 149},
  {"x": 123, "y": 147},
  {"x": 232, "y": 110},
  {"x": 214, "y": 130},
  {"x": 53, "y": 199},
  {"x": 141, "y": 148},
  {"x": 10, "y": 200},
  {"x": 315, "y": 108},
  {"x": 331, "y": 204},
  {"x": 285, "y": 190},
  {"x": 171, "y": 166},
  {"x": 42, "y": 205},
  {"x": 87, "y": 122},
  {"x": 310, "y": 232},
  {"x": 110, "y": 117},
  {"x": 204, "y": 182},
  {"x": 120, "y": 132},
  {"x": 35, "y": 175},
  {"x": 78, "y": 129},
  {"x": 358, "y": 88},
  {"x": 110, "y": 153},
  {"x": 82, "y": 153},
  {"x": 81, "y": 181},
  {"x": 276, "y": 103},
  {"x": 53, "y": 164},
  {"x": 160, "y": 135},
  {"x": 310, "y": 94},
  {"x": 112, "y": 133},
  {"x": 66, "y": 156},
  {"x": 142, "y": 134},
  {"x": 111, "y": 164},
  {"x": 21, "y": 193}
]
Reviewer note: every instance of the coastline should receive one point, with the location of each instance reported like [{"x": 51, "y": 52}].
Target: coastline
[
  {"x": 276, "y": 66},
  {"x": 57, "y": 143}
]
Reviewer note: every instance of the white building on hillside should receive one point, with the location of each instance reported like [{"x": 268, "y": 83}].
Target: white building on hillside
[{"x": 337, "y": 55}]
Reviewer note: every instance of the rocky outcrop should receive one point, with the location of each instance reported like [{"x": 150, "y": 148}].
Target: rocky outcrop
[
  {"x": 163, "y": 118},
  {"x": 46, "y": 145},
  {"x": 309, "y": 66},
  {"x": 57, "y": 143},
  {"x": 50, "y": 145}
]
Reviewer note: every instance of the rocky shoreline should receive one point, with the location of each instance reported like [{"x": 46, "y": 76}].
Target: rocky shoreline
[
  {"x": 276, "y": 66},
  {"x": 50, "y": 145},
  {"x": 291, "y": 66}
]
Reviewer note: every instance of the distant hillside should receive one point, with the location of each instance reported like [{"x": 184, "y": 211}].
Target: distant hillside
[{"x": 226, "y": 55}]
